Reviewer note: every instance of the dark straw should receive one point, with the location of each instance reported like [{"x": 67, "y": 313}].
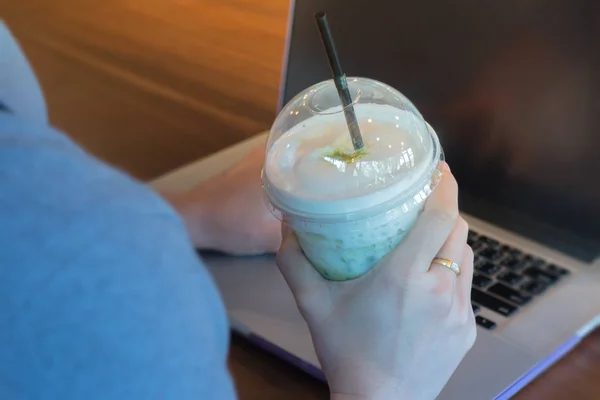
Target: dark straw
[{"x": 340, "y": 80}]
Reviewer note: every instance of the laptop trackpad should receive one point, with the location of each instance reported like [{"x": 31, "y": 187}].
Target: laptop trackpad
[
  {"x": 258, "y": 300},
  {"x": 488, "y": 369}
]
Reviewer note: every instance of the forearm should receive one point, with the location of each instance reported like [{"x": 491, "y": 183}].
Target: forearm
[
  {"x": 195, "y": 214},
  {"x": 363, "y": 383},
  {"x": 342, "y": 396},
  {"x": 393, "y": 393}
]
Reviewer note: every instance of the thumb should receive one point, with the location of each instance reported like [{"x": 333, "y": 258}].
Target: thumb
[{"x": 302, "y": 278}]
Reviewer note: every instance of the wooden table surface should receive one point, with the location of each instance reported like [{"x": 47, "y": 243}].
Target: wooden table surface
[{"x": 150, "y": 85}]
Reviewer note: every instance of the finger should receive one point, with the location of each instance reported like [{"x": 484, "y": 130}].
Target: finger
[
  {"x": 453, "y": 248},
  {"x": 465, "y": 280},
  {"x": 297, "y": 271},
  {"x": 433, "y": 227}
]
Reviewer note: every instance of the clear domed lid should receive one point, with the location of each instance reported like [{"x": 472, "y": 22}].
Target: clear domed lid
[{"x": 310, "y": 153}]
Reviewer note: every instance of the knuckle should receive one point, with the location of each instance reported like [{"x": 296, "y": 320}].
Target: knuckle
[
  {"x": 442, "y": 298},
  {"x": 461, "y": 224},
  {"x": 469, "y": 255},
  {"x": 469, "y": 327},
  {"x": 471, "y": 336},
  {"x": 465, "y": 318},
  {"x": 443, "y": 283},
  {"x": 452, "y": 184}
]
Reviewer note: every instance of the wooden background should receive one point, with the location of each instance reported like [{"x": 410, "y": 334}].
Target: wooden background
[{"x": 149, "y": 85}]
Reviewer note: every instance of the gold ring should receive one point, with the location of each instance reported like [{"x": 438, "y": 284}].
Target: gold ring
[{"x": 448, "y": 264}]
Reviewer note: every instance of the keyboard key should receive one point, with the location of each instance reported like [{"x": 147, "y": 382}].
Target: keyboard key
[
  {"x": 534, "y": 287},
  {"x": 506, "y": 256},
  {"x": 478, "y": 260},
  {"x": 509, "y": 294},
  {"x": 491, "y": 254},
  {"x": 484, "y": 322},
  {"x": 515, "y": 265},
  {"x": 472, "y": 238},
  {"x": 516, "y": 253},
  {"x": 494, "y": 304},
  {"x": 476, "y": 308},
  {"x": 489, "y": 241},
  {"x": 510, "y": 277},
  {"x": 510, "y": 258},
  {"x": 537, "y": 262},
  {"x": 477, "y": 246},
  {"x": 553, "y": 269},
  {"x": 481, "y": 281},
  {"x": 534, "y": 261},
  {"x": 510, "y": 261},
  {"x": 488, "y": 268},
  {"x": 540, "y": 275}
]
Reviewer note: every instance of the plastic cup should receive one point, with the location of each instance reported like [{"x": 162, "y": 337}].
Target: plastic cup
[{"x": 350, "y": 208}]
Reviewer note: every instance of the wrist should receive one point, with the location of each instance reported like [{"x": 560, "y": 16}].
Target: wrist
[
  {"x": 382, "y": 393},
  {"x": 343, "y": 396},
  {"x": 364, "y": 383},
  {"x": 196, "y": 217}
]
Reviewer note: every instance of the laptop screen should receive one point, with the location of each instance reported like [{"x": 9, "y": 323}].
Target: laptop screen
[{"x": 512, "y": 88}]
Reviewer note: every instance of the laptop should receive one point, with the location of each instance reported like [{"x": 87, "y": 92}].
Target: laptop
[{"x": 512, "y": 88}]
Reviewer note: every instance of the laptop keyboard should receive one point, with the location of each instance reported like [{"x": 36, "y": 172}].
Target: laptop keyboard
[{"x": 506, "y": 279}]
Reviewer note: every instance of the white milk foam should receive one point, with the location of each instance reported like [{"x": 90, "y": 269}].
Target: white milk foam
[{"x": 311, "y": 187}]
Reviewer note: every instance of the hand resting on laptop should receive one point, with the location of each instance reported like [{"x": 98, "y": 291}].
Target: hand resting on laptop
[{"x": 228, "y": 213}]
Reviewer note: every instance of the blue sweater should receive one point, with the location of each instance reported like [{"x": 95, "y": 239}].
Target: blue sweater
[{"x": 101, "y": 294}]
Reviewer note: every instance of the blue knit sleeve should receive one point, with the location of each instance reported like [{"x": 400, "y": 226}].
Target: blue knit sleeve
[{"x": 101, "y": 293}]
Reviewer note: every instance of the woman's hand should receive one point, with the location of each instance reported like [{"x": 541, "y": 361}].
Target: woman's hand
[
  {"x": 227, "y": 213},
  {"x": 400, "y": 331}
]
